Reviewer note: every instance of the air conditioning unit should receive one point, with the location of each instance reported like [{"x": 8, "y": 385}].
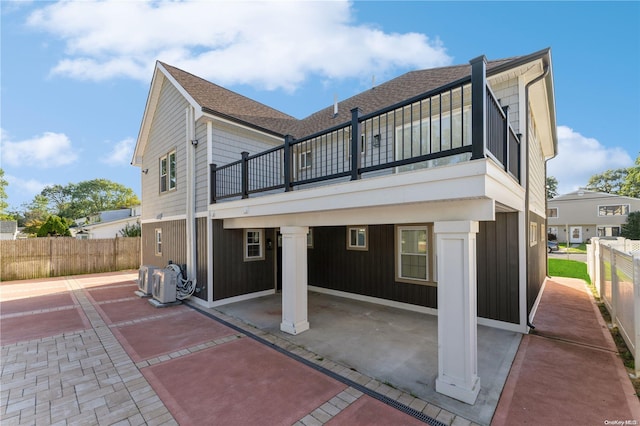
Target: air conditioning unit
[
  {"x": 145, "y": 279},
  {"x": 164, "y": 285}
]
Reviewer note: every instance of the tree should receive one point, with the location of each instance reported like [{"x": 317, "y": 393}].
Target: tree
[
  {"x": 631, "y": 185},
  {"x": 552, "y": 187},
  {"x": 610, "y": 181},
  {"x": 4, "y": 214},
  {"x": 131, "y": 230},
  {"x": 54, "y": 227},
  {"x": 631, "y": 229},
  {"x": 83, "y": 199},
  {"x": 35, "y": 214},
  {"x": 624, "y": 182}
]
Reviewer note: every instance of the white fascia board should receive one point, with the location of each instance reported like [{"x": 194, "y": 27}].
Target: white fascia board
[
  {"x": 455, "y": 185},
  {"x": 160, "y": 73},
  {"x": 165, "y": 219},
  {"x": 503, "y": 188}
]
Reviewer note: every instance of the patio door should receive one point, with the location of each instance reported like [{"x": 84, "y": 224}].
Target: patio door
[{"x": 575, "y": 235}]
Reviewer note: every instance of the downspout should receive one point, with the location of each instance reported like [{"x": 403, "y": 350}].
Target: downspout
[
  {"x": 191, "y": 143},
  {"x": 545, "y": 72}
]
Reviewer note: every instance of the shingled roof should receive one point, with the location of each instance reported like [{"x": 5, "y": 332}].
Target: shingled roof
[
  {"x": 231, "y": 105},
  {"x": 217, "y": 100}
]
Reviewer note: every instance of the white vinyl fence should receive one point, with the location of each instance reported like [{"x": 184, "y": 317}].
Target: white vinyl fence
[{"x": 614, "y": 268}]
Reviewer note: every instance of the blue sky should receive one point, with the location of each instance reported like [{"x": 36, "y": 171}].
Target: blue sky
[{"x": 75, "y": 75}]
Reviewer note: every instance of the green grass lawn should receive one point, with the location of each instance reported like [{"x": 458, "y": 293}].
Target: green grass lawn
[
  {"x": 569, "y": 269},
  {"x": 582, "y": 248}
]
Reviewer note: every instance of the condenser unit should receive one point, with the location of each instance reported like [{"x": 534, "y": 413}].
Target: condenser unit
[
  {"x": 164, "y": 285},
  {"x": 145, "y": 279}
]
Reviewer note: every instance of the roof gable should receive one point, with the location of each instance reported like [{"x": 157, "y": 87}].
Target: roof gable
[{"x": 210, "y": 98}]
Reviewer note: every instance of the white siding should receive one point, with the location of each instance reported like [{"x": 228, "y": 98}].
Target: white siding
[
  {"x": 168, "y": 132},
  {"x": 537, "y": 175},
  {"x": 506, "y": 91},
  {"x": 202, "y": 168}
]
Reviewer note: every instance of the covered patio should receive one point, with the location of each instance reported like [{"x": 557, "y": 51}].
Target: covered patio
[{"x": 395, "y": 346}]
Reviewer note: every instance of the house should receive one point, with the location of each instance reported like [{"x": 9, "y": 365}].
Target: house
[
  {"x": 425, "y": 192},
  {"x": 585, "y": 214},
  {"x": 106, "y": 224},
  {"x": 8, "y": 229}
]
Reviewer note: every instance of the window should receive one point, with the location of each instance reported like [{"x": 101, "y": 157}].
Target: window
[
  {"x": 305, "y": 160},
  {"x": 608, "y": 231},
  {"x": 429, "y": 135},
  {"x": 310, "y": 238},
  {"x": 614, "y": 210},
  {"x": 552, "y": 212},
  {"x": 533, "y": 233},
  {"x": 253, "y": 247},
  {"x": 357, "y": 238},
  {"x": 414, "y": 254},
  {"x": 158, "y": 241},
  {"x": 363, "y": 146},
  {"x": 168, "y": 172}
]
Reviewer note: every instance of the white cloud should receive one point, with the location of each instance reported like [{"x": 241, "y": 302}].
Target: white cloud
[
  {"x": 580, "y": 157},
  {"x": 26, "y": 187},
  {"x": 121, "y": 153},
  {"x": 270, "y": 44},
  {"x": 44, "y": 151}
]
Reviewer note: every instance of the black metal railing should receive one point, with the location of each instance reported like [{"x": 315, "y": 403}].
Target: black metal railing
[{"x": 429, "y": 130}]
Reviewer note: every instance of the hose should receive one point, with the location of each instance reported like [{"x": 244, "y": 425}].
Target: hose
[{"x": 184, "y": 287}]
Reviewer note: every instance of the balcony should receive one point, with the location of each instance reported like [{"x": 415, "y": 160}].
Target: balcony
[{"x": 458, "y": 122}]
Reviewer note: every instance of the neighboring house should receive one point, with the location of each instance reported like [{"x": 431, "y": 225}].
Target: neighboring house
[
  {"x": 107, "y": 224},
  {"x": 585, "y": 214},
  {"x": 425, "y": 192},
  {"x": 8, "y": 229}
]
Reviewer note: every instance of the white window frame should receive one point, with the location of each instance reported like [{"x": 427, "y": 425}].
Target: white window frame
[
  {"x": 305, "y": 160},
  {"x": 259, "y": 244},
  {"x": 533, "y": 234},
  {"x": 310, "y": 238},
  {"x": 625, "y": 207},
  {"x": 557, "y": 210},
  {"x": 423, "y": 126},
  {"x": 363, "y": 147},
  {"x": 158, "y": 241},
  {"x": 430, "y": 273},
  {"x": 168, "y": 176},
  {"x": 359, "y": 230}
]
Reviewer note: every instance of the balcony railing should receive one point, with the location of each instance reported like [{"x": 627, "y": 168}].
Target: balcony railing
[{"x": 432, "y": 129}]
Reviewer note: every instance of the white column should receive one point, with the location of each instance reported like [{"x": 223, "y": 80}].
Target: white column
[
  {"x": 457, "y": 310},
  {"x": 294, "y": 279}
]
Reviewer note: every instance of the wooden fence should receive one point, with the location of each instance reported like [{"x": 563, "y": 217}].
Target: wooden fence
[{"x": 52, "y": 257}]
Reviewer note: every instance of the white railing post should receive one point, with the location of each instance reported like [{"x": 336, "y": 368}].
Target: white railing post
[
  {"x": 636, "y": 312},
  {"x": 614, "y": 289},
  {"x": 597, "y": 261}
]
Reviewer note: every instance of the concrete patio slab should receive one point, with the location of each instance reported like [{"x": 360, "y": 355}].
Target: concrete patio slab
[{"x": 394, "y": 346}]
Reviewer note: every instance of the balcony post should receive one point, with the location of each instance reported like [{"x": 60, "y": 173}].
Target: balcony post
[
  {"x": 212, "y": 183},
  {"x": 478, "y": 106},
  {"x": 356, "y": 144},
  {"x": 505, "y": 142},
  {"x": 245, "y": 174},
  {"x": 288, "y": 139}
]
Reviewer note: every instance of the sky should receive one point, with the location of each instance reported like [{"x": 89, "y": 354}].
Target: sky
[{"x": 74, "y": 76}]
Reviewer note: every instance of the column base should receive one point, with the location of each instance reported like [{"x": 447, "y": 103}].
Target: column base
[
  {"x": 291, "y": 328},
  {"x": 464, "y": 394}
]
